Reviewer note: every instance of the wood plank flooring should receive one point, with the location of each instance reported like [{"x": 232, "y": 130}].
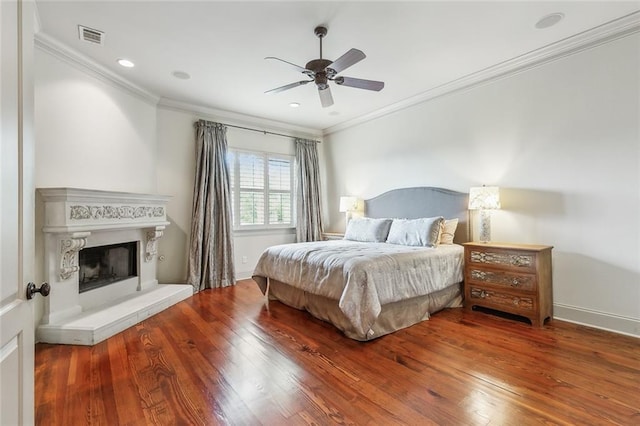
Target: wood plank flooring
[{"x": 223, "y": 357}]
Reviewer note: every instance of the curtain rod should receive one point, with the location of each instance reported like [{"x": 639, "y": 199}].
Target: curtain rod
[{"x": 264, "y": 131}]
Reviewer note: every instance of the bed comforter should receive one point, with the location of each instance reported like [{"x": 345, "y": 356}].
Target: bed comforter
[{"x": 361, "y": 277}]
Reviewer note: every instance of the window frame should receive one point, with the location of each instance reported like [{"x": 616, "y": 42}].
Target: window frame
[{"x": 235, "y": 189}]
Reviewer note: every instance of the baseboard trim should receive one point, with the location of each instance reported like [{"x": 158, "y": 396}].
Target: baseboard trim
[
  {"x": 596, "y": 319},
  {"x": 244, "y": 275}
]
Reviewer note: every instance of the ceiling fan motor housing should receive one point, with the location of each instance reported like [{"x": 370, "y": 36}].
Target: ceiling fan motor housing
[{"x": 319, "y": 67}]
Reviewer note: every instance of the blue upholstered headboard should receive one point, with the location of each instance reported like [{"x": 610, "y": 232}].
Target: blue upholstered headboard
[{"x": 413, "y": 203}]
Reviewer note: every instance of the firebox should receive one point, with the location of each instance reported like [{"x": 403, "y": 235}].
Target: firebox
[{"x": 104, "y": 265}]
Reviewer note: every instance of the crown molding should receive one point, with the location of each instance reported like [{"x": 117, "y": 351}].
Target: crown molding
[
  {"x": 588, "y": 39},
  {"x": 37, "y": 22},
  {"x": 61, "y": 51},
  {"x": 238, "y": 119}
]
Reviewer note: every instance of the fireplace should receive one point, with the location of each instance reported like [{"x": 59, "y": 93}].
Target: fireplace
[
  {"x": 100, "y": 251},
  {"x": 104, "y": 265}
]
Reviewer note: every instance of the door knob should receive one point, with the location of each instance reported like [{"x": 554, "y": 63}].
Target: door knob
[{"x": 44, "y": 290}]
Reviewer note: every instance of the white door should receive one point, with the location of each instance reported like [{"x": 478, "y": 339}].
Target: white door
[{"x": 16, "y": 212}]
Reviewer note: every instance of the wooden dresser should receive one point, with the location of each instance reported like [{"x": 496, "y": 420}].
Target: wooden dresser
[{"x": 513, "y": 278}]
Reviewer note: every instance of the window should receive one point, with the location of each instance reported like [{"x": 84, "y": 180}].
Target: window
[{"x": 261, "y": 186}]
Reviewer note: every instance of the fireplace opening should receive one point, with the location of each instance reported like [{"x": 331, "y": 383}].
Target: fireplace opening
[{"x": 104, "y": 265}]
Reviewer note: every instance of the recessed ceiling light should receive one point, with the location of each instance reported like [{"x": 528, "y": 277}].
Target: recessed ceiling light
[
  {"x": 294, "y": 104},
  {"x": 181, "y": 75},
  {"x": 126, "y": 63},
  {"x": 549, "y": 20}
]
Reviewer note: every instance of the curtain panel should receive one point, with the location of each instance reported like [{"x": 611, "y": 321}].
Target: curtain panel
[
  {"x": 308, "y": 205},
  {"x": 211, "y": 245}
]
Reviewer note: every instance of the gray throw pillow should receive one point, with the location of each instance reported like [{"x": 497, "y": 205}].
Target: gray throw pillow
[
  {"x": 415, "y": 232},
  {"x": 366, "y": 229}
]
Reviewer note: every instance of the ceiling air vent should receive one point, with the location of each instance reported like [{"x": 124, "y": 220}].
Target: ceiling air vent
[{"x": 90, "y": 35}]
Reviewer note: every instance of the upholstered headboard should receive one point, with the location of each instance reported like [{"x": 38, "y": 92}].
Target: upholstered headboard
[{"x": 414, "y": 203}]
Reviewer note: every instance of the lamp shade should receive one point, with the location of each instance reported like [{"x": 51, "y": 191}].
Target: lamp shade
[
  {"x": 348, "y": 204},
  {"x": 484, "y": 198}
]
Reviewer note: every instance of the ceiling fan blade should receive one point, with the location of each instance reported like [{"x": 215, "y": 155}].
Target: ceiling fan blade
[
  {"x": 288, "y": 86},
  {"x": 297, "y": 67},
  {"x": 325, "y": 97},
  {"x": 360, "y": 83},
  {"x": 353, "y": 56}
]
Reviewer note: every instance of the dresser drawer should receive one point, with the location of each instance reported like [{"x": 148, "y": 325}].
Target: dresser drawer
[
  {"x": 512, "y": 280},
  {"x": 500, "y": 299},
  {"x": 505, "y": 259}
]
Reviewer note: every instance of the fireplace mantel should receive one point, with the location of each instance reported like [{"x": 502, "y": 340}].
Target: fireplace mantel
[
  {"x": 75, "y": 218},
  {"x": 70, "y": 210}
]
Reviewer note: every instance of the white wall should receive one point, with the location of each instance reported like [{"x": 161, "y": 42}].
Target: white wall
[
  {"x": 91, "y": 134},
  {"x": 561, "y": 140},
  {"x": 88, "y": 134},
  {"x": 176, "y": 171}
]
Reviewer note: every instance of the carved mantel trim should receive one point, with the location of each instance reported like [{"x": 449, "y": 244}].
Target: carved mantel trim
[
  {"x": 69, "y": 248},
  {"x": 153, "y": 235},
  {"x": 81, "y": 212}
]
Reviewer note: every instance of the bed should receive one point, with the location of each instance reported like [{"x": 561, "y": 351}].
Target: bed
[{"x": 370, "y": 289}]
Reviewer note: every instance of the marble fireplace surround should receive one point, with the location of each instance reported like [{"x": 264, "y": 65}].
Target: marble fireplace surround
[{"x": 79, "y": 218}]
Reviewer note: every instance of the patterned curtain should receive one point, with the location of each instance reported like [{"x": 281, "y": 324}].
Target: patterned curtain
[
  {"x": 211, "y": 251},
  {"x": 309, "y": 210}
]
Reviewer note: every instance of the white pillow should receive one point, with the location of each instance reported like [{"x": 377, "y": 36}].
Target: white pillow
[
  {"x": 448, "y": 231},
  {"x": 415, "y": 232},
  {"x": 366, "y": 229}
]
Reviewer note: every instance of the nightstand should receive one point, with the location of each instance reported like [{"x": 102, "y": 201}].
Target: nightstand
[
  {"x": 513, "y": 278},
  {"x": 332, "y": 236}
]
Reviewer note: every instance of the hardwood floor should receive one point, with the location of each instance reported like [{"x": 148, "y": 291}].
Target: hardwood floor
[{"x": 223, "y": 357}]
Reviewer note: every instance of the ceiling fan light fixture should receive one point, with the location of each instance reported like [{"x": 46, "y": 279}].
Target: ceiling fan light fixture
[{"x": 321, "y": 80}]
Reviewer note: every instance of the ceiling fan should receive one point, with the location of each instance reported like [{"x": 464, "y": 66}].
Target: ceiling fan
[{"x": 321, "y": 71}]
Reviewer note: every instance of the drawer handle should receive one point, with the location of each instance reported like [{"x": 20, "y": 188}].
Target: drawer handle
[
  {"x": 515, "y": 282},
  {"x": 476, "y": 292},
  {"x": 520, "y": 260}
]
